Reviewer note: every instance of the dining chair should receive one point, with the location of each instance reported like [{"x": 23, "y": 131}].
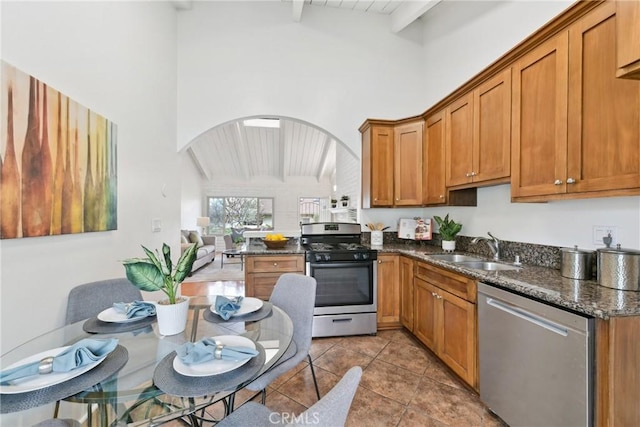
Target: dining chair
[
  {"x": 330, "y": 411},
  {"x": 91, "y": 298},
  {"x": 58, "y": 422},
  {"x": 295, "y": 294}
]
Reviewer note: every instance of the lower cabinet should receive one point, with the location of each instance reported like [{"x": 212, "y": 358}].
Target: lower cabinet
[
  {"x": 446, "y": 318},
  {"x": 406, "y": 292},
  {"x": 262, "y": 272},
  {"x": 388, "y": 292}
]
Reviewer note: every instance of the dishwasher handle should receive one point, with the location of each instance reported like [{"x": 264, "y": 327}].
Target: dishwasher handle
[{"x": 528, "y": 316}]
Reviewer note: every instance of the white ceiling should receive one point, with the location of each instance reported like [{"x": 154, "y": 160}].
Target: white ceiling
[{"x": 296, "y": 149}]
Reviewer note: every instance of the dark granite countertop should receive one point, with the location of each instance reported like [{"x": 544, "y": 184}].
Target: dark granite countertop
[
  {"x": 542, "y": 283},
  {"x": 256, "y": 247}
]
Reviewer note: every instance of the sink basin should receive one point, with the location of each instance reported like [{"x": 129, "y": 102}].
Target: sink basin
[
  {"x": 455, "y": 258},
  {"x": 487, "y": 265}
]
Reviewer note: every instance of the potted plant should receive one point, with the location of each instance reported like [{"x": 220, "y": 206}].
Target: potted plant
[
  {"x": 448, "y": 230},
  {"x": 345, "y": 200},
  {"x": 157, "y": 273},
  {"x": 334, "y": 203}
]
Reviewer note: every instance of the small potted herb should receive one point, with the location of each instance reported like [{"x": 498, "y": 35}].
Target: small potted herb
[
  {"x": 334, "y": 203},
  {"x": 448, "y": 230},
  {"x": 345, "y": 200}
]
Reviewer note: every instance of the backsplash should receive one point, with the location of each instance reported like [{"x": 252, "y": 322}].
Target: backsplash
[{"x": 532, "y": 254}]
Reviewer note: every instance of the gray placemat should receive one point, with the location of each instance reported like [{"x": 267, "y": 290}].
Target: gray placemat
[
  {"x": 264, "y": 312},
  {"x": 97, "y": 326},
  {"x": 171, "y": 382},
  {"x": 109, "y": 366}
]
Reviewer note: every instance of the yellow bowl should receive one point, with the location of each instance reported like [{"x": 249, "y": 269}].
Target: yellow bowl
[{"x": 276, "y": 244}]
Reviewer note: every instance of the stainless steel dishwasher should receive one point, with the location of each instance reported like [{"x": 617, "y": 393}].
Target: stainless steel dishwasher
[{"x": 536, "y": 361}]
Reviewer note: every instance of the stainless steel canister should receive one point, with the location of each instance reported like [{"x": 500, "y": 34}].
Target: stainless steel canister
[
  {"x": 577, "y": 263},
  {"x": 619, "y": 268}
]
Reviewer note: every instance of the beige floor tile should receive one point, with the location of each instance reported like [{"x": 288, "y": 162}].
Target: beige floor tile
[
  {"x": 288, "y": 375},
  {"x": 398, "y": 335},
  {"x": 373, "y": 410},
  {"x": 338, "y": 360},
  {"x": 368, "y": 345},
  {"x": 414, "y": 418},
  {"x": 301, "y": 389},
  {"x": 414, "y": 359},
  {"x": 321, "y": 345}
]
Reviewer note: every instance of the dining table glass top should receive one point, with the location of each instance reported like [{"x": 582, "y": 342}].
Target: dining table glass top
[{"x": 129, "y": 396}]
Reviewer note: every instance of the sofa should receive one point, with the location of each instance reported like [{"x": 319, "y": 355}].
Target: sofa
[{"x": 206, "y": 247}]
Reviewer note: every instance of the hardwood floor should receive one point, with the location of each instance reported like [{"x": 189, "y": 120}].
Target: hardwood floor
[{"x": 402, "y": 385}]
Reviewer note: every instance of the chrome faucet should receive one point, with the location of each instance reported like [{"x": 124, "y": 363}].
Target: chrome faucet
[{"x": 493, "y": 243}]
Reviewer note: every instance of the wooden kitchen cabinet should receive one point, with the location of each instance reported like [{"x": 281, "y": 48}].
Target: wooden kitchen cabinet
[
  {"x": 406, "y": 293},
  {"x": 388, "y": 291},
  {"x": 478, "y": 134},
  {"x": 262, "y": 272},
  {"x": 576, "y": 127},
  {"x": 391, "y": 163},
  {"x": 446, "y": 318},
  {"x": 377, "y": 164},
  {"x": 434, "y": 190},
  {"x": 628, "y": 39},
  {"x": 407, "y": 172}
]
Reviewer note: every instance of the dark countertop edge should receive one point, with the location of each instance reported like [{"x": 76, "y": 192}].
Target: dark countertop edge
[{"x": 545, "y": 284}]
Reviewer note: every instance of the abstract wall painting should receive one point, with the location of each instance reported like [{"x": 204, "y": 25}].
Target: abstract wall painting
[{"x": 58, "y": 162}]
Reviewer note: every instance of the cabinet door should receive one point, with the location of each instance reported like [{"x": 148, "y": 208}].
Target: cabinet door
[
  {"x": 457, "y": 343},
  {"x": 492, "y": 129},
  {"x": 408, "y": 164},
  {"x": 604, "y": 111},
  {"x": 539, "y": 120},
  {"x": 388, "y": 291},
  {"x": 434, "y": 187},
  {"x": 459, "y": 141},
  {"x": 406, "y": 292},
  {"x": 628, "y": 39},
  {"x": 377, "y": 166},
  {"x": 426, "y": 311}
]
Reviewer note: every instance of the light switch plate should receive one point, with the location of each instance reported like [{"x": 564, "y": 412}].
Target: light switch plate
[{"x": 156, "y": 225}]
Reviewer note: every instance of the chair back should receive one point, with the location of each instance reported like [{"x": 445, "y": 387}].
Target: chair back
[
  {"x": 89, "y": 299},
  {"x": 296, "y": 294},
  {"x": 228, "y": 242},
  {"x": 332, "y": 410}
]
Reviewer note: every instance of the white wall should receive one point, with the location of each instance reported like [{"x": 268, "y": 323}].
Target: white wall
[
  {"x": 460, "y": 39},
  {"x": 334, "y": 69},
  {"x": 119, "y": 59},
  {"x": 191, "y": 206}
]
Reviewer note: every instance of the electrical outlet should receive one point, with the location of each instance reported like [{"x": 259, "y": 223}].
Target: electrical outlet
[
  {"x": 156, "y": 225},
  {"x": 601, "y": 231}
]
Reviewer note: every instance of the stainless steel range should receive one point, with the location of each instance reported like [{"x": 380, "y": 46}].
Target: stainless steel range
[{"x": 346, "y": 276}]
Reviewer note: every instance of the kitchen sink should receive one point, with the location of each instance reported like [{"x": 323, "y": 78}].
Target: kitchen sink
[
  {"x": 455, "y": 258},
  {"x": 487, "y": 265}
]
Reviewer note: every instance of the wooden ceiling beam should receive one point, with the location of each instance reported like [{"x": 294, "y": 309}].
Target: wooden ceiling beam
[
  {"x": 296, "y": 10},
  {"x": 408, "y": 12},
  {"x": 242, "y": 150},
  {"x": 322, "y": 166}
]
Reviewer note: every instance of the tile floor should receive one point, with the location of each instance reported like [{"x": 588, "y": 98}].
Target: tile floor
[{"x": 402, "y": 384}]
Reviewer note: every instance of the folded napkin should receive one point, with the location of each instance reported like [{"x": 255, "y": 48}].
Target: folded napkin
[
  {"x": 205, "y": 350},
  {"x": 82, "y": 353},
  {"x": 135, "y": 309},
  {"x": 226, "y": 307}
]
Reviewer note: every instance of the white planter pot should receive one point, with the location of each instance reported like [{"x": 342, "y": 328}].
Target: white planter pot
[
  {"x": 172, "y": 318},
  {"x": 449, "y": 245},
  {"x": 376, "y": 238}
]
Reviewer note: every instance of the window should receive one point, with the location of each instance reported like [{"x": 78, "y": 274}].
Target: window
[
  {"x": 309, "y": 210},
  {"x": 246, "y": 213}
]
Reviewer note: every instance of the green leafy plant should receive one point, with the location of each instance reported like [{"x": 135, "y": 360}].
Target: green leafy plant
[
  {"x": 157, "y": 273},
  {"x": 447, "y": 228}
]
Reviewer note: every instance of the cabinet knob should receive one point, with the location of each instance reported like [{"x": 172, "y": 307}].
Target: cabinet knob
[
  {"x": 468, "y": 174},
  {"x": 275, "y": 264},
  {"x": 473, "y": 174},
  {"x": 439, "y": 296},
  {"x": 557, "y": 182},
  {"x": 571, "y": 181},
  {"x": 434, "y": 294},
  {"x": 442, "y": 196}
]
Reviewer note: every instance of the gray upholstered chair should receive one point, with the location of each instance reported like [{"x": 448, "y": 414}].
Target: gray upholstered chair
[
  {"x": 90, "y": 299},
  {"x": 228, "y": 242},
  {"x": 58, "y": 422},
  {"x": 330, "y": 411},
  {"x": 296, "y": 295}
]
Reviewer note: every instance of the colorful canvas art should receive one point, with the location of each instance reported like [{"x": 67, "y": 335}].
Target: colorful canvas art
[{"x": 58, "y": 162}]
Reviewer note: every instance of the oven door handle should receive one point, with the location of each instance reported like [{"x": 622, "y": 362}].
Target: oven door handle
[{"x": 345, "y": 319}]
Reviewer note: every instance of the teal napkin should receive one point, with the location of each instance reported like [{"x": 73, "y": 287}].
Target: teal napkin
[
  {"x": 135, "y": 309},
  {"x": 204, "y": 351},
  {"x": 226, "y": 307},
  {"x": 82, "y": 353}
]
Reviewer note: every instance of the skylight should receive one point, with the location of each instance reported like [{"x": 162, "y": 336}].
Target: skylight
[{"x": 262, "y": 123}]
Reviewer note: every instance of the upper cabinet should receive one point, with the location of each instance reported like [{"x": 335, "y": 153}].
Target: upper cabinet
[
  {"x": 434, "y": 190},
  {"x": 407, "y": 161},
  {"x": 576, "y": 127},
  {"x": 377, "y": 165},
  {"x": 391, "y": 164},
  {"x": 628, "y": 38},
  {"x": 478, "y": 134}
]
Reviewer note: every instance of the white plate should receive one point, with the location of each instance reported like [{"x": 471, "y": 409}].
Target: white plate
[
  {"x": 111, "y": 315},
  {"x": 36, "y": 382},
  {"x": 247, "y": 305},
  {"x": 215, "y": 367}
]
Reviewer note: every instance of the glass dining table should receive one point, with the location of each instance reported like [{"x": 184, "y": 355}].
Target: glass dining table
[{"x": 133, "y": 394}]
